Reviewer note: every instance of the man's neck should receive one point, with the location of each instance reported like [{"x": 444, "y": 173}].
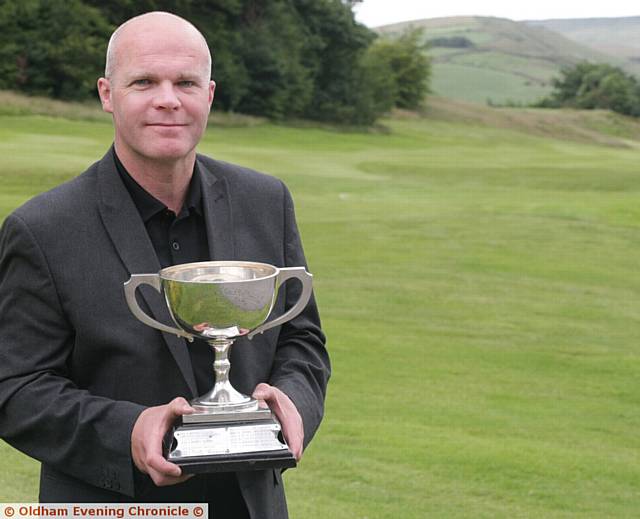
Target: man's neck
[{"x": 166, "y": 180}]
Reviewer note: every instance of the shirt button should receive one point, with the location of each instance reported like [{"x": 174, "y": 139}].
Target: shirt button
[{"x": 175, "y": 245}]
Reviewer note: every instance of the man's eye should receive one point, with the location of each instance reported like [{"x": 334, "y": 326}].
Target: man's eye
[
  {"x": 186, "y": 83},
  {"x": 141, "y": 82}
]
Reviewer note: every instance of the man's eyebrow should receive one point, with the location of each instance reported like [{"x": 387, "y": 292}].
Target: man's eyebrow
[
  {"x": 141, "y": 74},
  {"x": 191, "y": 76}
]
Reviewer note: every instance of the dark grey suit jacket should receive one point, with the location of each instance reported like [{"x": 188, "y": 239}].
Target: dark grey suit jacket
[{"x": 76, "y": 368}]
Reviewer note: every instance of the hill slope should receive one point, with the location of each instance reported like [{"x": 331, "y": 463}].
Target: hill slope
[
  {"x": 619, "y": 37},
  {"x": 600, "y": 127},
  {"x": 497, "y": 60}
]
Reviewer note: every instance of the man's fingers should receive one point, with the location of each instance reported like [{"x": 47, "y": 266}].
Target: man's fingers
[
  {"x": 287, "y": 415},
  {"x": 294, "y": 438},
  {"x": 263, "y": 392},
  {"x": 175, "y": 409},
  {"x": 146, "y": 441},
  {"x": 162, "y": 467},
  {"x": 296, "y": 451},
  {"x": 179, "y": 406},
  {"x": 267, "y": 394},
  {"x": 162, "y": 480},
  {"x": 262, "y": 404}
]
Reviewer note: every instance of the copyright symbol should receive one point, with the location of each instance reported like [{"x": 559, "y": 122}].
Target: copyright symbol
[
  {"x": 198, "y": 511},
  {"x": 9, "y": 511}
]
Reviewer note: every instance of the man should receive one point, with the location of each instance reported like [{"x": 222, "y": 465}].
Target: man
[{"x": 84, "y": 387}]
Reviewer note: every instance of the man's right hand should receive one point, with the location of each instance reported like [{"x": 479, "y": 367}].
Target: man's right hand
[{"x": 146, "y": 442}]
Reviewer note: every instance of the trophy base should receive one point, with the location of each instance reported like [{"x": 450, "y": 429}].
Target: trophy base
[
  {"x": 240, "y": 443},
  {"x": 237, "y": 462}
]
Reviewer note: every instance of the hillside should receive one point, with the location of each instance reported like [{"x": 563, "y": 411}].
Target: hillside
[
  {"x": 495, "y": 60},
  {"x": 600, "y": 127},
  {"x": 619, "y": 37}
]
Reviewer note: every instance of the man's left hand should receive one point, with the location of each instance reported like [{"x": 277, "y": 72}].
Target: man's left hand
[{"x": 287, "y": 414}]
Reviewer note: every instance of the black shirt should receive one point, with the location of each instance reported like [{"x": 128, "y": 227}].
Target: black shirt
[{"x": 177, "y": 239}]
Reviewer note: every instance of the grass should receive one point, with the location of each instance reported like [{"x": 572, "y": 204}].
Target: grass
[
  {"x": 479, "y": 289},
  {"x": 586, "y": 126},
  {"x": 485, "y": 84}
]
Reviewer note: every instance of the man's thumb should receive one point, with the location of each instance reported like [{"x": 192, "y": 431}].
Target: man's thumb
[
  {"x": 179, "y": 406},
  {"x": 262, "y": 391}
]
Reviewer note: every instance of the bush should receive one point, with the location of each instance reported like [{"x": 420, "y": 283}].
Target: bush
[
  {"x": 407, "y": 65},
  {"x": 593, "y": 85}
]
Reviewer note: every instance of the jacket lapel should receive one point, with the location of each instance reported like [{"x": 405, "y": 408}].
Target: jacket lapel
[
  {"x": 217, "y": 210},
  {"x": 130, "y": 238}
]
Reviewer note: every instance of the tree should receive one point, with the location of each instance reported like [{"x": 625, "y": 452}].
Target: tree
[
  {"x": 52, "y": 47},
  {"x": 336, "y": 45},
  {"x": 593, "y": 85},
  {"x": 407, "y": 65},
  {"x": 272, "y": 48},
  {"x": 377, "y": 84}
]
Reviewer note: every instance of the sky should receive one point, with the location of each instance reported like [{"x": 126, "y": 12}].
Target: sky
[{"x": 381, "y": 12}]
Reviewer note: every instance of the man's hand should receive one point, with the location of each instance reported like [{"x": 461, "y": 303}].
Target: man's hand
[
  {"x": 287, "y": 414},
  {"x": 146, "y": 442}
]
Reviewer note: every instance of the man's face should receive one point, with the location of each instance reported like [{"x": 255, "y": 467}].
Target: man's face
[{"x": 159, "y": 94}]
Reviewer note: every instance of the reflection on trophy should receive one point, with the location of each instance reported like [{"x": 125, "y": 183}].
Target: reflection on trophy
[{"x": 219, "y": 301}]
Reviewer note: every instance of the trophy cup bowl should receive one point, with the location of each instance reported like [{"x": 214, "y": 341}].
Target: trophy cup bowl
[{"x": 219, "y": 301}]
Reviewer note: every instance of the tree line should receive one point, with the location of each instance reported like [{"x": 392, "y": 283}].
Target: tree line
[{"x": 274, "y": 58}]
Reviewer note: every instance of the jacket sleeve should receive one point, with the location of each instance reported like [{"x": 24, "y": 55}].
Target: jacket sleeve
[
  {"x": 42, "y": 412},
  {"x": 302, "y": 367}
]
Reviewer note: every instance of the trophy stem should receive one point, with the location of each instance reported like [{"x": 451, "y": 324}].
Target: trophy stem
[{"x": 223, "y": 397}]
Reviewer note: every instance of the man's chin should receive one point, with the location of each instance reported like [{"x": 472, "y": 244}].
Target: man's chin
[{"x": 168, "y": 153}]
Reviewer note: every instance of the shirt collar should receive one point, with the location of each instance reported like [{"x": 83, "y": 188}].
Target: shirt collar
[{"x": 148, "y": 205}]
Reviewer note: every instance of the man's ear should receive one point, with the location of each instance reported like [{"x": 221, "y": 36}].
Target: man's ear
[
  {"x": 104, "y": 90},
  {"x": 212, "y": 91}
]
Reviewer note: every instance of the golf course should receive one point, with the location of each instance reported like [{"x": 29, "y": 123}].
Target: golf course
[{"x": 478, "y": 284}]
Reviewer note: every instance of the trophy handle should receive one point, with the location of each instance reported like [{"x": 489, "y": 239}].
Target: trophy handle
[
  {"x": 283, "y": 275},
  {"x": 130, "y": 295}
]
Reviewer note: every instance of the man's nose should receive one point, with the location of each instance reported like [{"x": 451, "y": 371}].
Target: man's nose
[{"x": 166, "y": 97}]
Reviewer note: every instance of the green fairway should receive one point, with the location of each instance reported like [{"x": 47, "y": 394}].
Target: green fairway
[{"x": 479, "y": 291}]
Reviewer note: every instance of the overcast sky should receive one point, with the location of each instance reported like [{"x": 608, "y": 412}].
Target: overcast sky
[{"x": 381, "y": 12}]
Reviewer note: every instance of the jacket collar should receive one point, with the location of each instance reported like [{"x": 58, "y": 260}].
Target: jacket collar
[
  {"x": 216, "y": 203},
  {"x": 129, "y": 236}
]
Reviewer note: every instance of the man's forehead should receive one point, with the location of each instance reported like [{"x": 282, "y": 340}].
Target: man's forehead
[
  {"x": 172, "y": 40},
  {"x": 161, "y": 59},
  {"x": 161, "y": 72},
  {"x": 139, "y": 47}
]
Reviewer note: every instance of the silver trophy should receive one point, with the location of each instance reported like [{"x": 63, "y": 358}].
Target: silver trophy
[{"x": 219, "y": 301}]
